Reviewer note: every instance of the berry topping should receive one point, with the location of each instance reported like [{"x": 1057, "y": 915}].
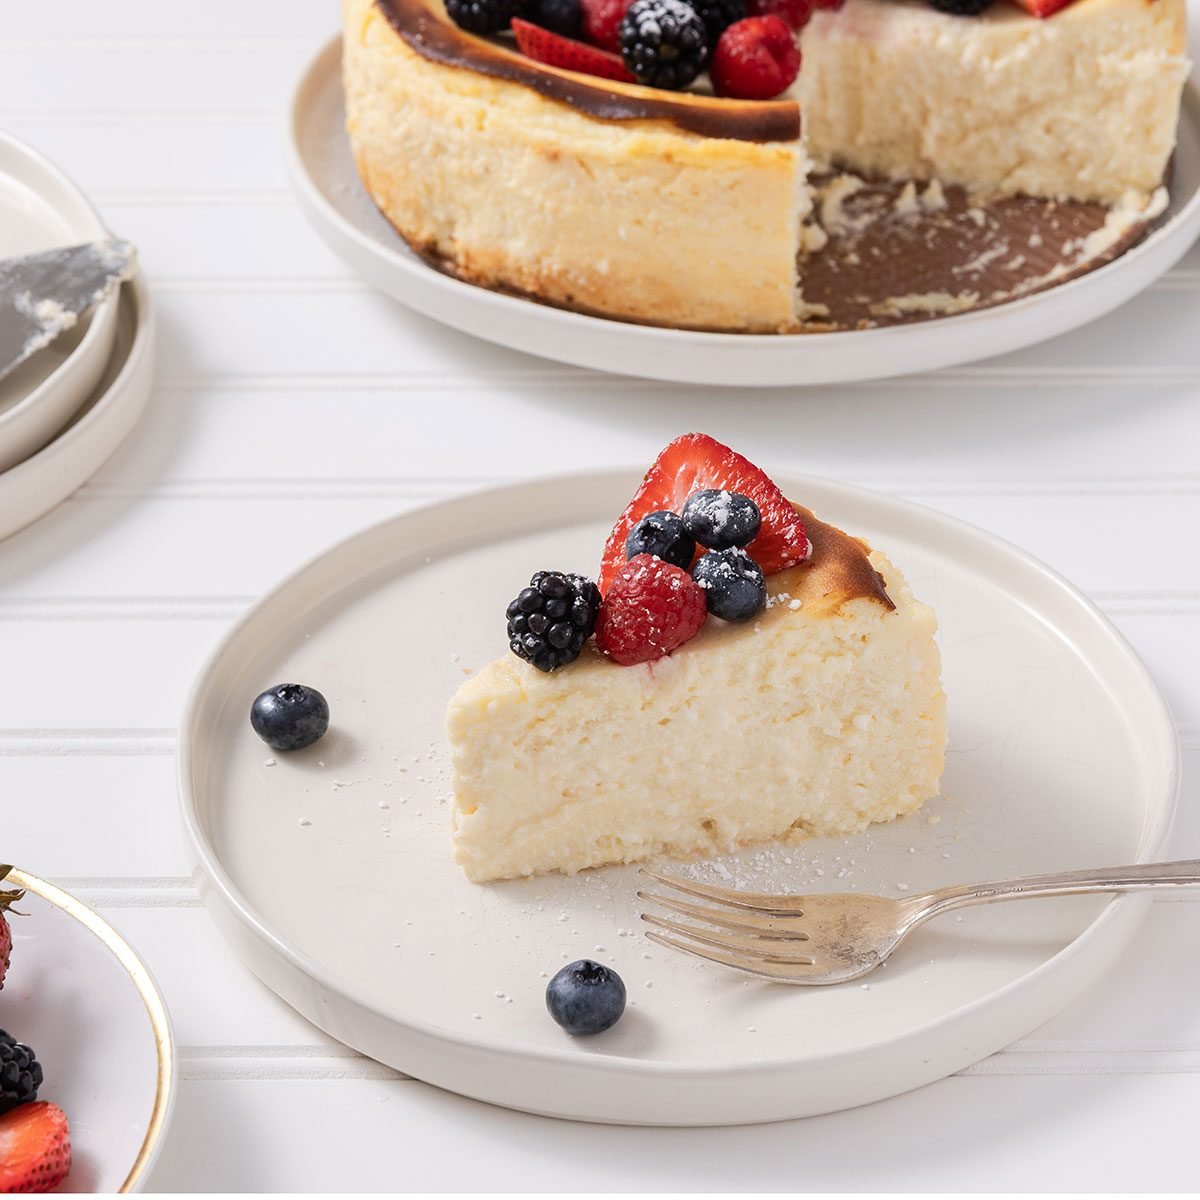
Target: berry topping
[
  {"x": 602, "y": 23},
  {"x": 718, "y": 15},
  {"x": 35, "y": 1148},
  {"x": 663, "y": 535},
  {"x": 797, "y": 13},
  {"x": 961, "y": 8},
  {"x": 664, "y": 43},
  {"x": 694, "y": 462},
  {"x": 651, "y": 609},
  {"x": 550, "y": 620},
  {"x": 20, "y": 1073},
  {"x": 719, "y": 520},
  {"x": 733, "y": 584},
  {"x": 564, "y": 17},
  {"x": 828, "y": 4},
  {"x": 1043, "y": 8},
  {"x": 546, "y": 47},
  {"x": 755, "y": 59},
  {"x": 586, "y": 998},
  {"x": 484, "y": 16},
  {"x": 290, "y": 716},
  {"x": 7, "y": 899}
]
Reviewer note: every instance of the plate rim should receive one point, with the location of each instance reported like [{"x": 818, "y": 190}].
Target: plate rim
[
  {"x": 97, "y": 341},
  {"x": 220, "y": 885},
  {"x": 69, "y": 460},
  {"x": 150, "y": 995},
  {"x": 315, "y": 205}
]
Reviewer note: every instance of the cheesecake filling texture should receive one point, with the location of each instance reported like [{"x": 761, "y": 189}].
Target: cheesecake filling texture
[{"x": 823, "y": 716}]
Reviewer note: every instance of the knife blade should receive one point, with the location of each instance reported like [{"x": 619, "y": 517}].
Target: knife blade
[{"x": 43, "y": 295}]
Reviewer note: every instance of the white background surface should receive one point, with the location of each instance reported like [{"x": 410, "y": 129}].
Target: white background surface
[{"x": 294, "y": 406}]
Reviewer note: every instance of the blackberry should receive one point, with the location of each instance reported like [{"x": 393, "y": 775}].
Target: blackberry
[
  {"x": 961, "y": 8},
  {"x": 550, "y": 620},
  {"x": 718, "y": 15},
  {"x": 20, "y": 1073},
  {"x": 661, "y": 534},
  {"x": 485, "y": 16},
  {"x": 564, "y": 17},
  {"x": 664, "y": 43}
]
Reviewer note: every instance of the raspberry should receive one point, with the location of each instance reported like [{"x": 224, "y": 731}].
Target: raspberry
[
  {"x": 602, "y": 23},
  {"x": 797, "y": 13},
  {"x": 755, "y": 59},
  {"x": 651, "y": 609}
]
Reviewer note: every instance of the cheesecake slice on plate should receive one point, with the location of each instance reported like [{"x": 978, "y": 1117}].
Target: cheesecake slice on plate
[{"x": 815, "y": 709}]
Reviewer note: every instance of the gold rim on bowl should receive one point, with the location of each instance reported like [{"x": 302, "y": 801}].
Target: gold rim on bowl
[{"x": 139, "y": 976}]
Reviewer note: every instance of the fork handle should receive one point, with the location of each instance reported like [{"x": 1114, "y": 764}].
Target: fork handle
[{"x": 1140, "y": 877}]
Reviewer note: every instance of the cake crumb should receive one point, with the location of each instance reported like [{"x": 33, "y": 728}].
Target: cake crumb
[
  {"x": 304, "y": 821},
  {"x": 270, "y": 762}
]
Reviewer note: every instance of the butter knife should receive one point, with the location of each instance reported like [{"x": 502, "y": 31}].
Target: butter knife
[{"x": 44, "y": 294}]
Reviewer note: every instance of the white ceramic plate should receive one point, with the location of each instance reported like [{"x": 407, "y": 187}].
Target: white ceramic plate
[
  {"x": 35, "y": 486},
  {"x": 81, "y": 997},
  {"x": 40, "y": 208},
  {"x": 330, "y": 194},
  {"x": 330, "y": 870}
]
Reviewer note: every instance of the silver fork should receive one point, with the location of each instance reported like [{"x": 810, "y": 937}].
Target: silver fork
[{"x": 841, "y": 936}]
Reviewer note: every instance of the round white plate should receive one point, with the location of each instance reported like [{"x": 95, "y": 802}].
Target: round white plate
[
  {"x": 81, "y": 997},
  {"x": 34, "y": 487},
  {"x": 330, "y": 870},
  {"x": 330, "y": 194},
  {"x": 40, "y": 208}
]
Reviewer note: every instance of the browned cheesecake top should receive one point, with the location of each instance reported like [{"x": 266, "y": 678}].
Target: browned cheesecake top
[
  {"x": 425, "y": 27},
  {"x": 837, "y": 571}
]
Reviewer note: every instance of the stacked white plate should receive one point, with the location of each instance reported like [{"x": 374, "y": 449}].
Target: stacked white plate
[{"x": 65, "y": 411}]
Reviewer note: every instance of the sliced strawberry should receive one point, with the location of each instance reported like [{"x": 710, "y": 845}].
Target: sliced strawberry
[
  {"x": 602, "y": 22},
  {"x": 35, "y": 1148},
  {"x": 696, "y": 461},
  {"x": 651, "y": 609},
  {"x": 557, "y": 51},
  {"x": 1043, "y": 8}
]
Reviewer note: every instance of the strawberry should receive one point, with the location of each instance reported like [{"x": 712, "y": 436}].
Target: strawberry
[
  {"x": 1043, "y": 8},
  {"x": 797, "y": 13},
  {"x": 35, "y": 1148},
  {"x": 557, "y": 51},
  {"x": 755, "y": 59},
  {"x": 602, "y": 23},
  {"x": 694, "y": 462},
  {"x": 651, "y": 609},
  {"x": 7, "y": 900}
]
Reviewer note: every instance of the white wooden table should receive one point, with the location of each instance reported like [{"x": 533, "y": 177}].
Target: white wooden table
[{"x": 294, "y": 405}]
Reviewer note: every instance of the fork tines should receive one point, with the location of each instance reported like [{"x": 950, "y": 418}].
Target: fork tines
[{"x": 757, "y": 933}]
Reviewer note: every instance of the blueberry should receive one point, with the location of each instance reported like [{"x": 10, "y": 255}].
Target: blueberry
[
  {"x": 733, "y": 584},
  {"x": 290, "y": 716},
  {"x": 661, "y": 534},
  {"x": 585, "y": 997},
  {"x": 720, "y": 520},
  {"x": 559, "y": 16}
]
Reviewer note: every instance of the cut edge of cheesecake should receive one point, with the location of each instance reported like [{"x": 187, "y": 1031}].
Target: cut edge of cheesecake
[{"x": 823, "y": 716}]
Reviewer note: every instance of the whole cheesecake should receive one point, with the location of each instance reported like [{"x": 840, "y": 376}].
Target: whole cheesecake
[
  {"x": 693, "y": 211},
  {"x": 821, "y": 714}
]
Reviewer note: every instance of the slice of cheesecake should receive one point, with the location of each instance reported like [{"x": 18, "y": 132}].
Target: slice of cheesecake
[{"x": 821, "y": 716}]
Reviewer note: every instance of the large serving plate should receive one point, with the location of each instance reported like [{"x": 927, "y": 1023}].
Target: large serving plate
[
  {"x": 79, "y": 994},
  {"x": 330, "y": 870},
  {"x": 331, "y": 195}
]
